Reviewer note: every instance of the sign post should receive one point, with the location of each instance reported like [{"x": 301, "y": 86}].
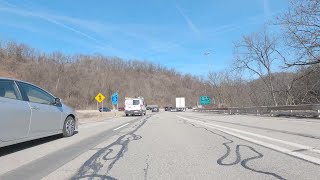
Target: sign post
[
  {"x": 114, "y": 100},
  {"x": 205, "y": 100},
  {"x": 100, "y": 97}
]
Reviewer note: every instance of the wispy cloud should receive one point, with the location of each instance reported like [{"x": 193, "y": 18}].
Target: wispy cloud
[
  {"x": 189, "y": 22},
  {"x": 101, "y": 32},
  {"x": 220, "y": 30},
  {"x": 49, "y": 18},
  {"x": 98, "y": 33}
]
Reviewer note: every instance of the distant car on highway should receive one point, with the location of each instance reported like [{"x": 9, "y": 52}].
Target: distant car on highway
[
  {"x": 105, "y": 109},
  {"x": 120, "y": 108},
  {"x": 150, "y": 107},
  {"x": 134, "y": 106},
  {"x": 167, "y": 108},
  {"x": 155, "y": 109},
  {"x": 173, "y": 110},
  {"x": 29, "y": 112}
]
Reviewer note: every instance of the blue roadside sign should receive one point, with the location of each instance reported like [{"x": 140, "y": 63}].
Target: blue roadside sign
[{"x": 114, "y": 98}]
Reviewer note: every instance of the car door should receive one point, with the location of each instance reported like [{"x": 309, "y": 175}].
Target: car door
[
  {"x": 129, "y": 105},
  {"x": 45, "y": 116},
  {"x": 14, "y": 113}
]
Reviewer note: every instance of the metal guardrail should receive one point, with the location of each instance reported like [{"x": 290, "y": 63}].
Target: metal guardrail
[{"x": 308, "y": 110}]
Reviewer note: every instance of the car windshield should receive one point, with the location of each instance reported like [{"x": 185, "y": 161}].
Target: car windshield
[{"x": 159, "y": 89}]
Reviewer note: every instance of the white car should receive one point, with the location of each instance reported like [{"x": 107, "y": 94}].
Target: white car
[
  {"x": 28, "y": 112},
  {"x": 135, "y": 106}
]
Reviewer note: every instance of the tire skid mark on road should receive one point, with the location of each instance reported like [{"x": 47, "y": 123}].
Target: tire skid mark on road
[
  {"x": 238, "y": 160},
  {"x": 100, "y": 161},
  {"x": 257, "y": 127}
]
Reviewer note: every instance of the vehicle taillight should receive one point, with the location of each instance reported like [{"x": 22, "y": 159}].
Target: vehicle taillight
[{"x": 124, "y": 107}]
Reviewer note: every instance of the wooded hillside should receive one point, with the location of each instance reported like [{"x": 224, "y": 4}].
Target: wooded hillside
[
  {"x": 284, "y": 69},
  {"x": 77, "y": 79}
]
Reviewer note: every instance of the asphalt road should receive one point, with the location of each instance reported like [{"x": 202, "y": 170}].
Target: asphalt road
[{"x": 169, "y": 145}]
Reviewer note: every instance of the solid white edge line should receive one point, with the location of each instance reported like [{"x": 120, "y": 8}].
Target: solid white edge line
[
  {"x": 121, "y": 126},
  {"x": 308, "y": 148},
  {"x": 268, "y": 145}
]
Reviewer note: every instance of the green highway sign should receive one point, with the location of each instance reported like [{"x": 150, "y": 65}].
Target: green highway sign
[{"x": 205, "y": 100}]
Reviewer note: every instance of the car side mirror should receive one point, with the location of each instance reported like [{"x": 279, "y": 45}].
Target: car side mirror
[{"x": 57, "y": 101}]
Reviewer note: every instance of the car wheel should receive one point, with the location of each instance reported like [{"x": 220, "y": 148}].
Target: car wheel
[
  {"x": 68, "y": 127},
  {"x": 126, "y": 114}
]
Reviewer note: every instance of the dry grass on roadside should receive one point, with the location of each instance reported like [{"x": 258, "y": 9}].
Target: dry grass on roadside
[{"x": 87, "y": 116}]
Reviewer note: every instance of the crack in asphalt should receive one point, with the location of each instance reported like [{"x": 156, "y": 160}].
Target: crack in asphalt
[
  {"x": 97, "y": 162},
  {"x": 146, "y": 169},
  {"x": 256, "y": 127},
  {"x": 238, "y": 155}
]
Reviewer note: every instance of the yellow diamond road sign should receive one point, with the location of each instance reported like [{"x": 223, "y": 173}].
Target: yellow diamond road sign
[{"x": 100, "y": 97}]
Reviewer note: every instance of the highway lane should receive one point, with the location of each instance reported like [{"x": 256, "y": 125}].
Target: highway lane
[
  {"x": 21, "y": 161},
  {"x": 189, "y": 145},
  {"x": 177, "y": 146}
]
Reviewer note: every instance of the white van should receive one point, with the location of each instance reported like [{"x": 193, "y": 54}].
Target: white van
[{"x": 134, "y": 106}]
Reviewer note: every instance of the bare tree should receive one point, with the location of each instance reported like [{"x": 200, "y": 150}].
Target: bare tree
[
  {"x": 257, "y": 53},
  {"x": 229, "y": 89},
  {"x": 302, "y": 26}
]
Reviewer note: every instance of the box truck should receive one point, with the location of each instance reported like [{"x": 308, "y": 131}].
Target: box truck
[{"x": 180, "y": 104}]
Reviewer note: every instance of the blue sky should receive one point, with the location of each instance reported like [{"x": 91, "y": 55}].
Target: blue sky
[{"x": 169, "y": 32}]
